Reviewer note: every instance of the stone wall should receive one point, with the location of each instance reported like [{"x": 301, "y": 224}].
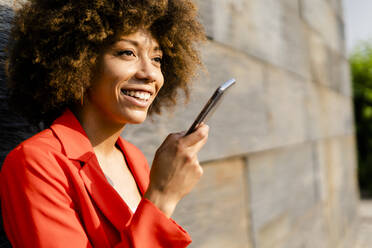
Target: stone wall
[{"x": 280, "y": 166}]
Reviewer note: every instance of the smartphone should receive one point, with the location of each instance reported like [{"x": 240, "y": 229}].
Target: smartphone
[{"x": 211, "y": 105}]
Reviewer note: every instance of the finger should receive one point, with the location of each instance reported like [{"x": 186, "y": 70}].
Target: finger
[
  {"x": 199, "y": 145},
  {"x": 174, "y": 136},
  {"x": 194, "y": 149},
  {"x": 198, "y": 135}
]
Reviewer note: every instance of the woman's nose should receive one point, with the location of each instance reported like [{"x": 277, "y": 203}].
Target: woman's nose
[{"x": 147, "y": 71}]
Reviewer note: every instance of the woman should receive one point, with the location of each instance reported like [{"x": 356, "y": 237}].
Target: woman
[{"x": 88, "y": 68}]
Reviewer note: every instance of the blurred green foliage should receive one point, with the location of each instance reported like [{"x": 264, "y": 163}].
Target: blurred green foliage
[{"x": 361, "y": 70}]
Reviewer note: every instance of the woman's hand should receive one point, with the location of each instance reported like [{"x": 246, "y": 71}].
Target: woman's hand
[{"x": 176, "y": 169}]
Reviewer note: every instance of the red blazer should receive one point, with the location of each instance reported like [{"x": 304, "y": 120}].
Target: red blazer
[{"x": 54, "y": 194}]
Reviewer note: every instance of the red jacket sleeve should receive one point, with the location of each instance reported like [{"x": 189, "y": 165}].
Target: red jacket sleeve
[
  {"x": 39, "y": 211},
  {"x": 158, "y": 228}
]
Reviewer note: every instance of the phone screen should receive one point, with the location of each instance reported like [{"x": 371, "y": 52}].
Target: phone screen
[{"x": 210, "y": 106}]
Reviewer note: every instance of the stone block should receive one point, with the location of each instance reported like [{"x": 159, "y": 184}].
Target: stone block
[
  {"x": 328, "y": 113},
  {"x": 237, "y": 126},
  {"x": 354, "y": 232},
  {"x": 305, "y": 228},
  {"x": 337, "y": 6},
  {"x": 6, "y": 16},
  {"x": 282, "y": 189},
  {"x": 205, "y": 9},
  {"x": 337, "y": 183},
  {"x": 269, "y": 30},
  {"x": 273, "y": 233},
  {"x": 215, "y": 212},
  {"x": 341, "y": 75},
  {"x": 328, "y": 67},
  {"x": 320, "y": 62},
  {"x": 319, "y": 15},
  {"x": 284, "y": 107}
]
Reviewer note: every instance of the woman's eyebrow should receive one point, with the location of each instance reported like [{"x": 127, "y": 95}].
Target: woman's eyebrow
[
  {"x": 136, "y": 43},
  {"x": 133, "y": 42},
  {"x": 158, "y": 49}
]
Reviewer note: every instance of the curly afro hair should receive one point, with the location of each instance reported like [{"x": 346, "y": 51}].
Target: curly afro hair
[{"x": 54, "y": 46}]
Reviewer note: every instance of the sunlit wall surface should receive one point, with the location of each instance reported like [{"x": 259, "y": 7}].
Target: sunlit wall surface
[{"x": 280, "y": 163}]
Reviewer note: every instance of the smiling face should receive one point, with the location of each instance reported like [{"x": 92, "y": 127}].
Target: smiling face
[{"x": 128, "y": 78}]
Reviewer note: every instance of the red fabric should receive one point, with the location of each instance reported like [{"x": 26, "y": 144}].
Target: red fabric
[{"x": 54, "y": 194}]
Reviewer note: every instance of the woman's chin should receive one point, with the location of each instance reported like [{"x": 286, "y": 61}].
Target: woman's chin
[
  {"x": 136, "y": 117},
  {"x": 137, "y": 121}
]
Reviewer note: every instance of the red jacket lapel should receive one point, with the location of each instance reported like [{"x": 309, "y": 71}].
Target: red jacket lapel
[
  {"x": 104, "y": 196},
  {"x": 137, "y": 164}
]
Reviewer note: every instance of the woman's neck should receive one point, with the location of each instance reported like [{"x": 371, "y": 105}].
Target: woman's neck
[{"x": 102, "y": 133}]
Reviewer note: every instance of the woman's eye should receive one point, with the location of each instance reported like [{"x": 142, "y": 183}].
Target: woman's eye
[
  {"x": 126, "y": 53},
  {"x": 158, "y": 59}
]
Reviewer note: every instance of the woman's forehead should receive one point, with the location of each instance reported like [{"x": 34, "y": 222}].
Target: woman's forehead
[{"x": 141, "y": 37}]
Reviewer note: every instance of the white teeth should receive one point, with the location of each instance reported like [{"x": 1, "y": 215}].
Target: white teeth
[{"x": 138, "y": 94}]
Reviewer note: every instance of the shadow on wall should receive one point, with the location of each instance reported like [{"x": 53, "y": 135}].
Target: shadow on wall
[{"x": 13, "y": 128}]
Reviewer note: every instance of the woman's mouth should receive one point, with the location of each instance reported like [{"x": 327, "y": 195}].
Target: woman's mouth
[
  {"x": 139, "y": 98},
  {"x": 140, "y": 95}
]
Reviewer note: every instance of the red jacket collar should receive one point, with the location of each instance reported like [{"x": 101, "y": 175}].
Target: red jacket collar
[{"x": 72, "y": 136}]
